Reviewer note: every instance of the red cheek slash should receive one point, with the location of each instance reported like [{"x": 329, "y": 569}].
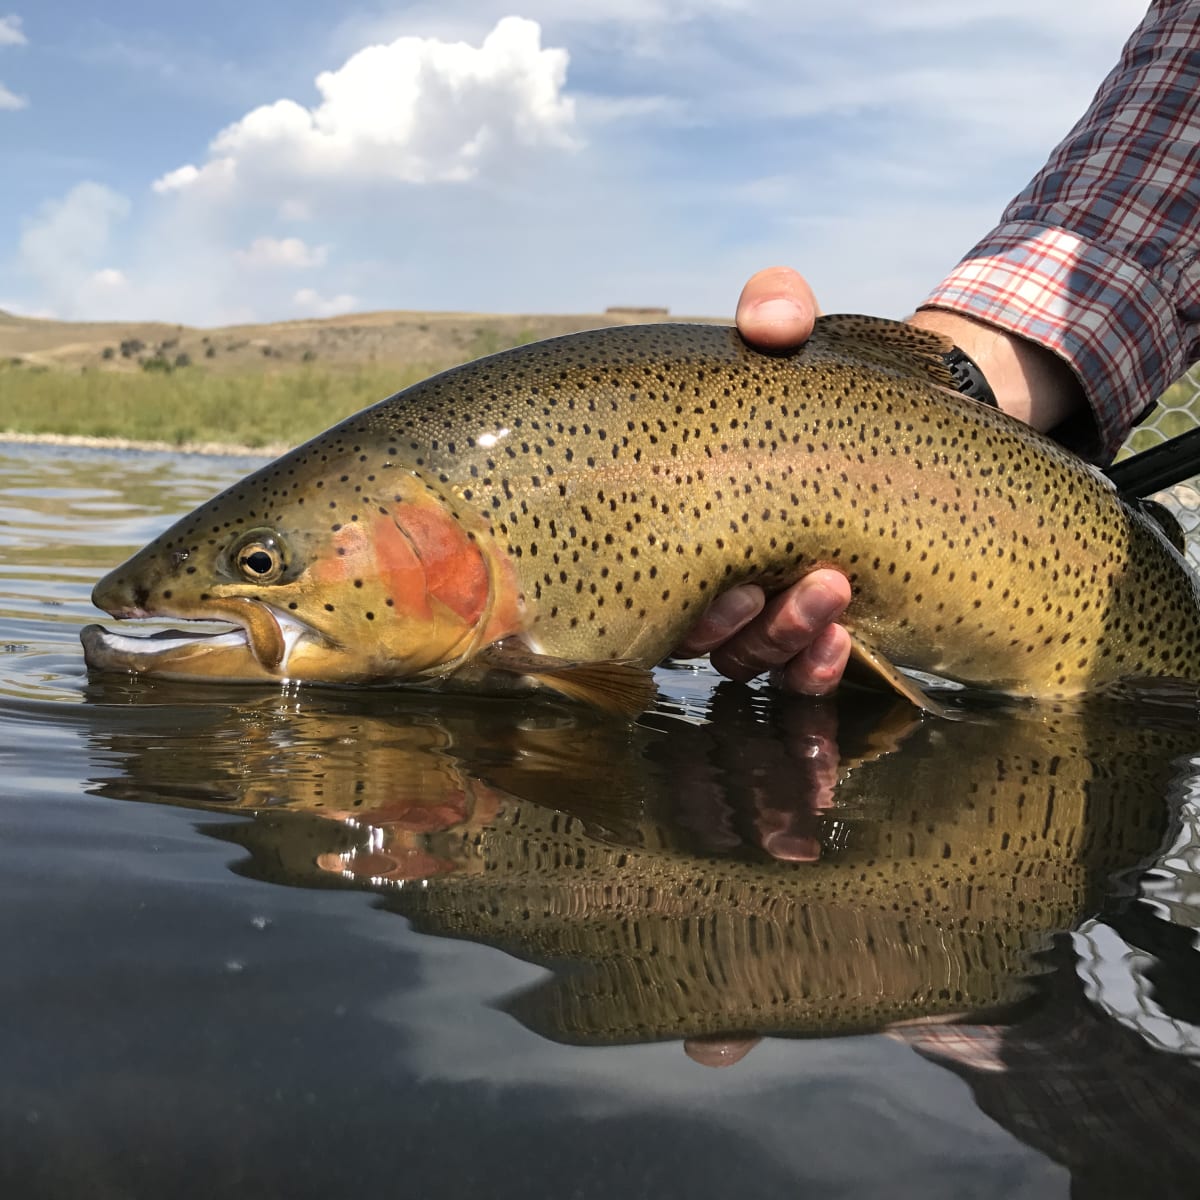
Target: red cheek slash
[
  {"x": 401, "y": 572},
  {"x": 454, "y": 571}
]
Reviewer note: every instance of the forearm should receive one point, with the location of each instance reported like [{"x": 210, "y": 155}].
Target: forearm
[
  {"x": 1092, "y": 279},
  {"x": 1030, "y": 382}
]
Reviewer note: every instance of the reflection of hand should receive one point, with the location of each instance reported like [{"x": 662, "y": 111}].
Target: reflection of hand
[
  {"x": 784, "y": 831},
  {"x": 720, "y": 1049},
  {"x": 794, "y": 635},
  {"x": 765, "y": 785}
]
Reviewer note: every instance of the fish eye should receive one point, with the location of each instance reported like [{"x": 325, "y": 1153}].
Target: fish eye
[{"x": 258, "y": 556}]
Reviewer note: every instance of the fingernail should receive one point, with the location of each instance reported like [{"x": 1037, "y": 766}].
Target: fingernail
[
  {"x": 776, "y": 312},
  {"x": 740, "y": 605},
  {"x": 825, "y": 654},
  {"x": 819, "y": 605},
  {"x": 789, "y": 847}
]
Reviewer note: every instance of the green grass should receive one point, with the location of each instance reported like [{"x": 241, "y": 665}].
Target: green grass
[
  {"x": 492, "y": 341},
  {"x": 188, "y": 405}
]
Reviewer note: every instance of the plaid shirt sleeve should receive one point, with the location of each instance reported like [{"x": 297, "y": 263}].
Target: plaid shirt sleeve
[{"x": 1098, "y": 259}]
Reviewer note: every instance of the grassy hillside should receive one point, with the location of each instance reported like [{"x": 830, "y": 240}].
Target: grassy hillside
[
  {"x": 346, "y": 342},
  {"x": 249, "y": 385}
]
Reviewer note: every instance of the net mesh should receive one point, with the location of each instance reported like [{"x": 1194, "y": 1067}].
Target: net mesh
[{"x": 1177, "y": 412}]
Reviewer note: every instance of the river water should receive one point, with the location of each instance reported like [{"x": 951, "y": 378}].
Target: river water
[{"x": 339, "y": 943}]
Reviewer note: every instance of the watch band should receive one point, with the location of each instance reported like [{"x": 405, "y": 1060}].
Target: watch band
[{"x": 968, "y": 378}]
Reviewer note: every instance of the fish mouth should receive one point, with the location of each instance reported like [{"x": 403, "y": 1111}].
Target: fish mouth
[{"x": 257, "y": 644}]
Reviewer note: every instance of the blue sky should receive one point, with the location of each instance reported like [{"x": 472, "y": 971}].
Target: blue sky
[{"x": 261, "y": 160}]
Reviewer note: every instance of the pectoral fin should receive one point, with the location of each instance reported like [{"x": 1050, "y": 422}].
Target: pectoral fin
[
  {"x": 623, "y": 688},
  {"x": 870, "y": 661}
]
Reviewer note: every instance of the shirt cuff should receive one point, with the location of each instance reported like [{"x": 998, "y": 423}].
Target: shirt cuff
[{"x": 1103, "y": 314}]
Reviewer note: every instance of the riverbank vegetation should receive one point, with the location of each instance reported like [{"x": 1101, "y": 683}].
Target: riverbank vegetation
[
  {"x": 247, "y": 385},
  {"x": 189, "y": 406}
]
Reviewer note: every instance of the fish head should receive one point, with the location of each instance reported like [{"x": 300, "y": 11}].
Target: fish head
[{"x": 333, "y": 575}]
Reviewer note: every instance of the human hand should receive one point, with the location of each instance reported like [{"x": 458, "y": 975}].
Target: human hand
[{"x": 795, "y": 634}]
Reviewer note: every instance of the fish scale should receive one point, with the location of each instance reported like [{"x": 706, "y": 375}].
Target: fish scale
[{"x": 593, "y": 493}]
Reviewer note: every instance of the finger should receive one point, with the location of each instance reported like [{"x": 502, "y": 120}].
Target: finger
[
  {"x": 817, "y": 670},
  {"x": 776, "y": 309},
  {"x": 788, "y": 625},
  {"x": 725, "y": 616}
]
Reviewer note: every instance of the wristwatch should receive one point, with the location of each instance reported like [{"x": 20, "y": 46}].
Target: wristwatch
[{"x": 968, "y": 378}]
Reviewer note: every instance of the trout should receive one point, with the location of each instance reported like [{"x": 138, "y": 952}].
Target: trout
[{"x": 559, "y": 514}]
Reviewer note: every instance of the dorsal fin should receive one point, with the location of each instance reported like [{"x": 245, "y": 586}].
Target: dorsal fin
[{"x": 895, "y": 346}]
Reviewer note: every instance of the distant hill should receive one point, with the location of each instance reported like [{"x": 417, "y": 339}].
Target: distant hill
[{"x": 382, "y": 338}]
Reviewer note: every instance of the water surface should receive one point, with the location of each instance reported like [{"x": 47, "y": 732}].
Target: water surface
[{"x": 328, "y": 942}]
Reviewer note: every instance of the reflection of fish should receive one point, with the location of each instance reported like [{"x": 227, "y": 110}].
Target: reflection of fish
[
  {"x": 562, "y": 512},
  {"x": 635, "y": 863},
  {"x": 935, "y": 889}
]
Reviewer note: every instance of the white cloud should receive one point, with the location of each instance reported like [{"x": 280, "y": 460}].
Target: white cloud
[
  {"x": 10, "y": 31},
  {"x": 219, "y": 176},
  {"x": 642, "y": 110},
  {"x": 176, "y": 180},
  {"x": 11, "y": 35},
  {"x": 61, "y": 246},
  {"x": 314, "y": 305},
  {"x": 281, "y": 252},
  {"x": 1105, "y": 17},
  {"x": 110, "y": 277},
  {"x": 418, "y": 110},
  {"x": 292, "y": 209}
]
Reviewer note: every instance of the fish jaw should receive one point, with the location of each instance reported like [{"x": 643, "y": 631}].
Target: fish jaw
[
  {"x": 173, "y": 654},
  {"x": 262, "y": 645}
]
